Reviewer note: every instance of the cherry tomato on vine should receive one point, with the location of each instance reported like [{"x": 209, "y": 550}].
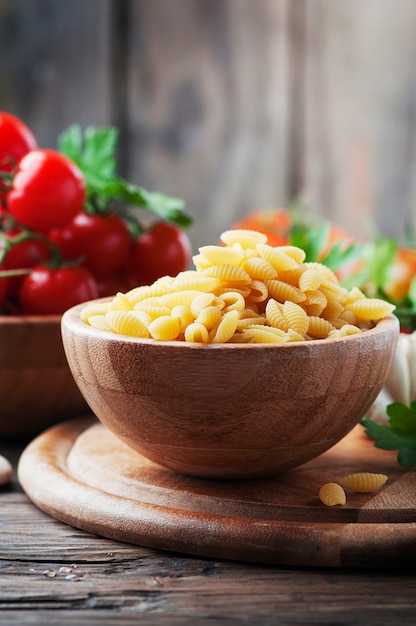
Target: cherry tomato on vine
[
  {"x": 22, "y": 254},
  {"x": 163, "y": 250},
  {"x": 16, "y": 140},
  {"x": 103, "y": 242},
  {"x": 48, "y": 190},
  {"x": 54, "y": 290}
]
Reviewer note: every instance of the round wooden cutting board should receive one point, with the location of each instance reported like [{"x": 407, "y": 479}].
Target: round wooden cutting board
[{"x": 80, "y": 473}]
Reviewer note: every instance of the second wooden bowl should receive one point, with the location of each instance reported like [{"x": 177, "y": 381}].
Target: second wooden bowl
[{"x": 37, "y": 388}]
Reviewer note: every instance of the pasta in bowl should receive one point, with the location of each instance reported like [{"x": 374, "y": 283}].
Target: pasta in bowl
[{"x": 251, "y": 364}]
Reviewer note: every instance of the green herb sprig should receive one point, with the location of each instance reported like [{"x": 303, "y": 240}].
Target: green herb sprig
[
  {"x": 399, "y": 434},
  {"x": 95, "y": 152}
]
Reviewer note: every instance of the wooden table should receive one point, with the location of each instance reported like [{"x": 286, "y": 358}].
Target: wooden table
[{"x": 51, "y": 573}]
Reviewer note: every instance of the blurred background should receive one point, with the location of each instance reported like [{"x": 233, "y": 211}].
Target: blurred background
[{"x": 233, "y": 105}]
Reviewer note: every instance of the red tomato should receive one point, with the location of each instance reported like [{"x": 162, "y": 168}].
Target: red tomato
[
  {"x": 48, "y": 190},
  {"x": 103, "y": 242},
  {"x": 22, "y": 255},
  {"x": 163, "y": 250},
  {"x": 16, "y": 140},
  {"x": 112, "y": 283},
  {"x": 53, "y": 291}
]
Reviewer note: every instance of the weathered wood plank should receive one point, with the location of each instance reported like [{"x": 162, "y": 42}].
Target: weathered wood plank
[
  {"x": 212, "y": 125},
  {"x": 54, "y": 64},
  {"x": 359, "y": 104},
  {"x": 231, "y": 105},
  {"x": 53, "y": 573}
]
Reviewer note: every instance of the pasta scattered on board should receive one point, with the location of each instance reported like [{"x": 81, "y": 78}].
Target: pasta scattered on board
[
  {"x": 333, "y": 494},
  {"x": 243, "y": 291}
]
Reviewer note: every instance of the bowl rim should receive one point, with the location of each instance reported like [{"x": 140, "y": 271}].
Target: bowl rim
[
  {"x": 14, "y": 320},
  {"x": 71, "y": 318}
]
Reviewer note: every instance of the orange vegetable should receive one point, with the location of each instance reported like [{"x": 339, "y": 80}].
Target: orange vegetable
[
  {"x": 278, "y": 223},
  {"x": 402, "y": 272}
]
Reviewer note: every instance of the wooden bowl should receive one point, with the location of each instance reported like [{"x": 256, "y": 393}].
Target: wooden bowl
[
  {"x": 37, "y": 388},
  {"x": 228, "y": 410}
]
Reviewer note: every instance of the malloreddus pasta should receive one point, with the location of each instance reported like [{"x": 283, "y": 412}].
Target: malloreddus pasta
[
  {"x": 241, "y": 291},
  {"x": 333, "y": 494}
]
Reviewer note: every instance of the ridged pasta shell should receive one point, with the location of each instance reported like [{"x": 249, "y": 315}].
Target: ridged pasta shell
[
  {"x": 165, "y": 328},
  {"x": 310, "y": 280},
  {"x": 295, "y": 317},
  {"x": 363, "y": 482},
  {"x": 245, "y": 237},
  {"x": 222, "y": 255},
  {"x": 332, "y": 494},
  {"x": 370, "y": 308},
  {"x": 229, "y": 273},
  {"x": 259, "y": 268}
]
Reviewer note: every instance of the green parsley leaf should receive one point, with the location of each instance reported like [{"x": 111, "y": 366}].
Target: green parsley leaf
[
  {"x": 402, "y": 417},
  {"x": 339, "y": 255},
  {"x": 311, "y": 240},
  {"x": 412, "y": 293},
  {"x": 399, "y": 434},
  {"x": 94, "y": 151}
]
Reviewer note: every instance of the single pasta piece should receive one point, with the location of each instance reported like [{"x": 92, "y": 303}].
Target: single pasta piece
[
  {"x": 259, "y": 269},
  {"x": 184, "y": 315},
  {"x": 319, "y": 327},
  {"x": 279, "y": 260},
  {"x": 165, "y": 328},
  {"x": 121, "y": 302},
  {"x": 364, "y": 482},
  {"x": 126, "y": 323},
  {"x": 246, "y": 238},
  {"x": 226, "y": 328},
  {"x": 293, "y": 251},
  {"x": 152, "y": 311},
  {"x": 266, "y": 334},
  {"x": 184, "y": 298},
  {"x": 199, "y": 281},
  {"x": 258, "y": 292},
  {"x": 99, "y": 308},
  {"x": 232, "y": 301},
  {"x": 310, "y": 280},
  {"x": 274, "y": 315},
  {"x": 316, "y": 303},
  {"x": 370, "y": 308},
  {"x": 99, "y": 321},
  {"x": 197, "y": 333},
  {"x": 201, "y": 302},
  {"x": 281, "y": 291},
  {"x": 210, "y": 317},
  {"x": 332, "y": 494},
  {"x": 295, "y": 317},
  {"x": 228, "y": 273},
  {"x": 221, "y": 255}
]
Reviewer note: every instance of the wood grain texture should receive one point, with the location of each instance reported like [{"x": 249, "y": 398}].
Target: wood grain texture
[
  {"x": 120, "y": 583},
  {"x": 232, "y": 105},
  {"x": 81, "y": 474},
  {"x": 228, "y": 410},
  {"x": 37, "y": 388},
  {"x": 113, "y": 582}
]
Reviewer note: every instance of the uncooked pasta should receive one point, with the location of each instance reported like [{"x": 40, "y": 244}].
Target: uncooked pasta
[{"x": 241, "y": 291}]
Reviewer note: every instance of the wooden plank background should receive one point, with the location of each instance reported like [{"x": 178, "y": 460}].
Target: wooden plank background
[{"x": 231, "y": 104}]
